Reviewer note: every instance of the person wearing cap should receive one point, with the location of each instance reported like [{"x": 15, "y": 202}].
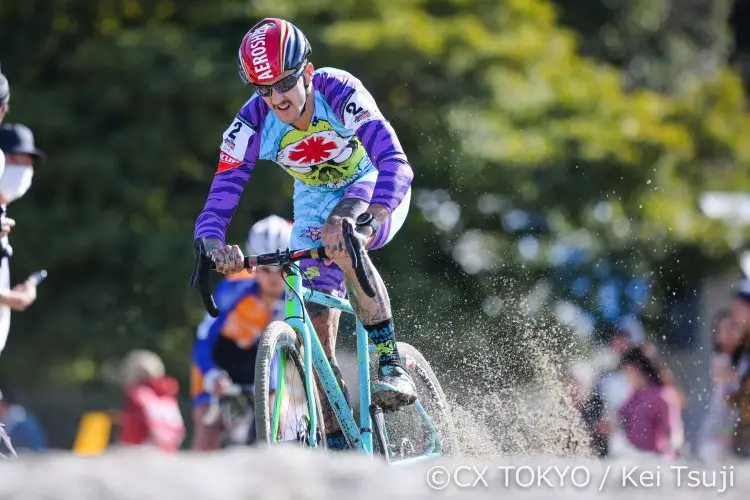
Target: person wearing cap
[{"x": 21, "y": 156}]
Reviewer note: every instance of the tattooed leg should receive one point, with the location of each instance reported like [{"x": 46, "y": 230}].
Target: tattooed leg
[
  {"x": 326, "y": 323},
  {"x": 394, "y": 387},
  {"x": 369, "y": 310},
  {"x": 373, "y": 312}
]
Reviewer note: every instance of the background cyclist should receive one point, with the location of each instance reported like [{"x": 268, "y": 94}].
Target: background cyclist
[{"x": 226, "y": 347}]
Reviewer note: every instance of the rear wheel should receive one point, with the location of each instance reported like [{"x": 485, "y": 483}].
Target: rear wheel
[
  {"x": 411, "y": 431},
  {"x": 279, "y": 354}
]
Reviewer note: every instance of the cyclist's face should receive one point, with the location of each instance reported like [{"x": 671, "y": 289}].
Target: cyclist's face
[{"x": 288, "y": 105}]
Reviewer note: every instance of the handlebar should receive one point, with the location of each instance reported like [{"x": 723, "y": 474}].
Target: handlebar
[{"x": 204, "y": 263}]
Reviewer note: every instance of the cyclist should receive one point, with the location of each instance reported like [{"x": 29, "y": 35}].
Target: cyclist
[
  {"x": 324, "y": 128},
  {"x": 226, "y": 347}
]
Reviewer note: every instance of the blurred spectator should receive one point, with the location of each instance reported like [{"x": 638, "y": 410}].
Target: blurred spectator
[
  {"x": 739, "y": 308},
  {"x": 24, "y": 430},
  {"x": 715, "y": 439},
  {"x": 5, "y": 223},
  {"x": 665, "y": 373},
  {"x": 651, "y": 415},
  {"x": 611, "y": 387},
  {"x": 4, "y": 105},
  {"x": 21, "y": 157},
  {"x": 672, "y": 392},
  {"x": 574, "y": 385},
  {"x": 150, "y": 415},
  {"x": 739, "y": 392}
]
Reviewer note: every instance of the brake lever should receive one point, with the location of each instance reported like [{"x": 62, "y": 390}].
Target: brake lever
[
  {"x": 200, "y": 276},
  {"x": 354, "y": 247}
]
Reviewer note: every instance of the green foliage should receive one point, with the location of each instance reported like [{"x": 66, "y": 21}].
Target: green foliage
[
  {"x": 658, "y": 43},
  {"x": 534, "y": 123},
  {"x": 493, "y": 101}
]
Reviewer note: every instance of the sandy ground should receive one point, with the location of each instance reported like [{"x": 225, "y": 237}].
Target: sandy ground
[{"x": 298, "y": 474}]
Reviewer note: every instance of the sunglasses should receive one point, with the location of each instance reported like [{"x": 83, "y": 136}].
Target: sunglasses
[{"x": 282, "y": 86}]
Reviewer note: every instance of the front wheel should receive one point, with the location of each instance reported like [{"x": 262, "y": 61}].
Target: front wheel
[
  {"x": 280, "y": 373},
  {"x": 425, "y": 426}
]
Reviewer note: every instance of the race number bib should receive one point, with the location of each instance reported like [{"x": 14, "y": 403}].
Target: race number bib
[
  {"x": 360, "y": 109},
  {"x": 234, "y": 144}
]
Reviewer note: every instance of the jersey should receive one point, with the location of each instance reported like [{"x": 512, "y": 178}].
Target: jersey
[
  {"x": 229, "y": 342},
  {"x": 347, "y": 140},
  {"x": 151, "y": 415}
]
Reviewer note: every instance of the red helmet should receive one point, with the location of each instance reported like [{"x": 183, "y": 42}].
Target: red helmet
[{"x": 271, "y": 47}]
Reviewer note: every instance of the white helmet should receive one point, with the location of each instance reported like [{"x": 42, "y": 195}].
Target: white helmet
[
  {"x": 141, "y": 364},
  {"x": 269, "y": 235}
]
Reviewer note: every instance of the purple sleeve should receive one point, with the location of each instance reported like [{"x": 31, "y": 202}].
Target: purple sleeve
[
  {"x": 239, "y": 152},
  {"x": 394, "y": 172},
  {"x": 356, "y": 108},
  {"x": 224, "y": 195}
]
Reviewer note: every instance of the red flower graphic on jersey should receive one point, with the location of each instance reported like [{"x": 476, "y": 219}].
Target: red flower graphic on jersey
[{"x": 312, "y": 151}]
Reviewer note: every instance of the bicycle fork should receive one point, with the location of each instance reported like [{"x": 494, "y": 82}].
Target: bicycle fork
[{"x": 314, "y": 356}]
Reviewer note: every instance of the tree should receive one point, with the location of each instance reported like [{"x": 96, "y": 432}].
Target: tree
[
  {"x": 660, "y": 44},
  {"x": 524, "y": 151}
]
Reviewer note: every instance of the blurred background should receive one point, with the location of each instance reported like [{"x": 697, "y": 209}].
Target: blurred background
[{"x": 576, "y": 163}]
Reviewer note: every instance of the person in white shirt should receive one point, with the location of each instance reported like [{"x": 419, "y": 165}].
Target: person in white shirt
[
  {"x": 4, "y": 100},
  {"x": 17, "y": 143},
  {"x": 6, "y": 223}
]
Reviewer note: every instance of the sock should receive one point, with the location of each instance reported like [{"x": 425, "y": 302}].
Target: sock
[{"x": 383, "y": 336}]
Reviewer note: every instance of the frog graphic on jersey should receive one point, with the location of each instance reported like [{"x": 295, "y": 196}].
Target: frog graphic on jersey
[{"x": 319, "y": 156}]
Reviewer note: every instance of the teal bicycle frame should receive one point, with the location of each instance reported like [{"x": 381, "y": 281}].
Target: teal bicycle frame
[{"x": 359, "y": 437}]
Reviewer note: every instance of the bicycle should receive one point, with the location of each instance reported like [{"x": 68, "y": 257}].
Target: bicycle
[
  {"x": 5, "y": 440},
  {"x": 296, "y": 336},
  {"x": 236, "y": 409}
]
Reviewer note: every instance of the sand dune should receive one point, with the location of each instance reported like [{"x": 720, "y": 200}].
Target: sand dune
[{"x": 290, "y": 473}]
